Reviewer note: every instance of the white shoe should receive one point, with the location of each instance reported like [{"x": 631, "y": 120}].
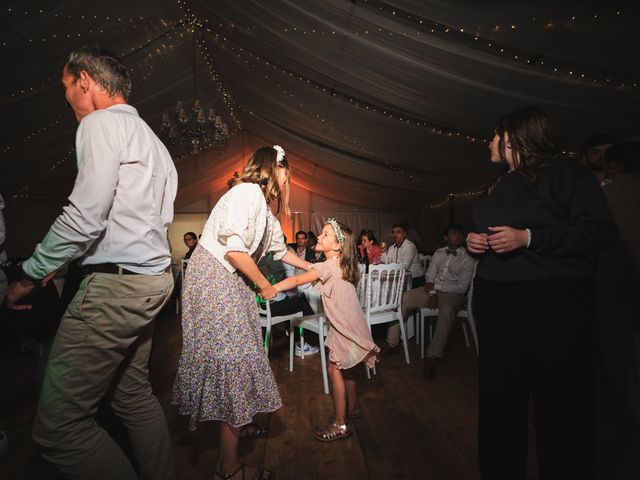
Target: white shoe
[{"x": 308, "y": 350}]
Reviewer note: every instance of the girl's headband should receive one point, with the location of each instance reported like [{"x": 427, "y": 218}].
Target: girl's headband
[{"x": 339, "y": 232}]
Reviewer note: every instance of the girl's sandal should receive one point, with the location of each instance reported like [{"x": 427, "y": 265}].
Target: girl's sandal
[
  {"x": 252, "y": 430},
  {"x": 262, "y": 474},
  {"x": 333, "y": 432}
]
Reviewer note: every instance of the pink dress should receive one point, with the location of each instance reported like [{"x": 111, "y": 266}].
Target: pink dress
[{"x": 349, "y": 339}]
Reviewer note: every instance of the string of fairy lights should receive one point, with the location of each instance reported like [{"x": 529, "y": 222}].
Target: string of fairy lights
[
  {"x": 326, "y": 124},
  {"x": 118, "y": 26},
  {"x": 226, "y": 96},
  {"x": 356, "y": 102},
  {"x": 566, "y": 70},
  {"x": 145, "y": 62},
  {"x": 471, "y": 195},
  {"x": 190, "y": 22},
  {"x": 525, "y": 58},
  {"x": 145, "y": 66}
]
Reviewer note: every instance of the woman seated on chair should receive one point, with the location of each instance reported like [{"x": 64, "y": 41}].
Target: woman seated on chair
[{"x": 369, "y": 249}]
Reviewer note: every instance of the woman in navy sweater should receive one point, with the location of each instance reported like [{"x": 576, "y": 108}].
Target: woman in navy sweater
[{"x": 537, "y": 233}]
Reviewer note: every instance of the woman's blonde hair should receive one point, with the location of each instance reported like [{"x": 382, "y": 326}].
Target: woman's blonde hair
[
  {"x": 263, "y": 168},
  {"x": 348, "y": 252}
]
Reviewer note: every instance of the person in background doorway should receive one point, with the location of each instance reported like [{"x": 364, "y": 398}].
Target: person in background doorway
[{"x": 191, "y": 241}]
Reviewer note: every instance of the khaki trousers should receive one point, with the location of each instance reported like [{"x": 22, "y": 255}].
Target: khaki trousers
[
  {"x": 102, "y": 349},
  {"x": 449, "y": 305}
]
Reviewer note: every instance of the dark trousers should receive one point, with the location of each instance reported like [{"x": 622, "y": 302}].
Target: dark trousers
[
  {"x": 291, "y": 305},
  {"x": 538, "y": 341}
]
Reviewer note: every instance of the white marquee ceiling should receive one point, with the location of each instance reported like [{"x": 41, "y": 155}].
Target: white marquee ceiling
[{"x": 381, "y": 104}]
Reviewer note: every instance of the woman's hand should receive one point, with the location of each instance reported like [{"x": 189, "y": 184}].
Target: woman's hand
[
  {"x": 507, "y": 239},
  {"x": 267, "y": 292},
  {"x": 432, "y": 301},
  {"x": 477, "y": 243}
]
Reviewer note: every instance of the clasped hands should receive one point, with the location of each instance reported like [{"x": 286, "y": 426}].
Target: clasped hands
[{"x": 502, "y": 240}]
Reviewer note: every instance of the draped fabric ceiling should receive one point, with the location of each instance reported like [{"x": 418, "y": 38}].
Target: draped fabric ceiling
[{"x": 383, "y": 104}]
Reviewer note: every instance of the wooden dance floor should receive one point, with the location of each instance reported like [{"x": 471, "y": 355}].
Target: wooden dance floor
[{"x": 409, "y": 428}]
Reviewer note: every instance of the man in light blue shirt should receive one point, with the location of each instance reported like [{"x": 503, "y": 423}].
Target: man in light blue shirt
[{"x": 116, "y": 223}]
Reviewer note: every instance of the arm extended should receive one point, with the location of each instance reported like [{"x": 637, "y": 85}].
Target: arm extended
[
  {"x": 243, "y": 262},
  {"x": 293, "y": 282},
  {"x": 292, "y": 259}
]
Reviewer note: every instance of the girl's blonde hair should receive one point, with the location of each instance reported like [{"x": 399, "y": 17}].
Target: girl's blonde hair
[
  {"x": 348, "y": 253},
  {"x": 263, "y": 168}
]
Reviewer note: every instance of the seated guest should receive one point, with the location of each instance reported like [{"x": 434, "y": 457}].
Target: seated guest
[
  {"x": 300, "y": 247},
  {"x": 618, "y": 282},
  {"x": 369, "y": 246},
  {"x": 592, "y": 153},
  {"x": 191, "y": 241},
  {"x": 447, "y": 281},
  {"x": 404, "y": 251},
  {"x": 312, "y": 240},
  {"x": 289, "y": 302}
]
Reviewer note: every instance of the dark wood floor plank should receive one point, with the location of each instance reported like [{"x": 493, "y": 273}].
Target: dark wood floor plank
[{"x": 409, "y": 428}]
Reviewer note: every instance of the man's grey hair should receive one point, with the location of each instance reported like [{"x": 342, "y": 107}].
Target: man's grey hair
[{"x": 103, "y": 66}]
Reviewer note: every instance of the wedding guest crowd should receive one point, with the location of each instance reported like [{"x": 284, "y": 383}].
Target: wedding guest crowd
[{"x": 446, "y": 283}]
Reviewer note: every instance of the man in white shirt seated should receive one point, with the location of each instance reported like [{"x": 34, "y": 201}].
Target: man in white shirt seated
[
  {"x": 447, "y": 281},
  {"x": 404, "y": 251}
]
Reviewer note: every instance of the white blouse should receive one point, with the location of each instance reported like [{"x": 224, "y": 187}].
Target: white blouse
[{"x": 240, "y": 222}]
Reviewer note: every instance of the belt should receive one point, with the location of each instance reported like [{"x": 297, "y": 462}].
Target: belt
[{"x": 107, "y": 268}]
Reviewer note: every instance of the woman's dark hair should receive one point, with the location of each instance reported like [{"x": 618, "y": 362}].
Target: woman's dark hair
[
  {"x": 103, "y": 66},
  {"x": 191, "y": 234},
  {"x": 370, "y": 235},
  {"x": 531, "y": 139}
]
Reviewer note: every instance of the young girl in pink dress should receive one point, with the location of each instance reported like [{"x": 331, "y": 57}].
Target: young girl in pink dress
[{"x": 349, "y": 340}]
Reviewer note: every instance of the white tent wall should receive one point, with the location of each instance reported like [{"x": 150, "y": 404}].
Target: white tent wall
[
  {"x": 308, "y": 212},
  {"x": 430, "y": 220}
]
